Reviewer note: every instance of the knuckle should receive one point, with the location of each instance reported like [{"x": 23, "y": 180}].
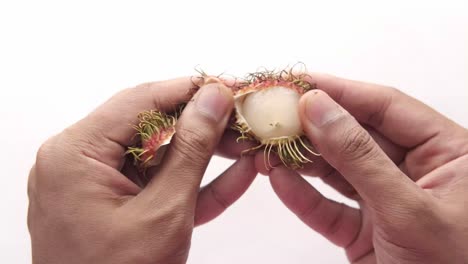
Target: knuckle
[
  {"x": 44, "y": 150},
  {"x": 45, "y": 153},
  {"x": 151, "y": 90},
  {"x": 83, "y": 142},
  {"x": 377, "y": 116},
  {"x": 336, "y": 223},
  {"x": 53, "y": 163},
  {"x": 31, "y": 187},
  {"x": 144, "y": 90},
  {"x": 143, "y": 87},
  {"x": 40, "y": 171},
  {"x": 218, "y": 197},
  {"x": 128, "y": 91},
  {"x": 357, "y": 144},
  {"x": 393, "y": 90},
  {"x": 310, "y": 209}
]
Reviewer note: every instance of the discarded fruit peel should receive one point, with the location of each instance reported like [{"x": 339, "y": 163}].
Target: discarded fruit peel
[
  {"x": 266, "y": 111},
  {"x": 155, "y": 131}
]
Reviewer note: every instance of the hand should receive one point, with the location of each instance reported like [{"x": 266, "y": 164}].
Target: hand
[
  {"x": 407, "y": 163},
  {"x": 83, "y": 208}
]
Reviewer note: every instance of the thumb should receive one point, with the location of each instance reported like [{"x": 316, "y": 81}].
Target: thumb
[
  {"x": 198, "y": 132},
  {"x": 349, "y": 148}
]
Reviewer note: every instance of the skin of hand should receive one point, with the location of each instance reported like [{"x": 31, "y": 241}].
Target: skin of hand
[
  {"x": 405, "y": 164},
  {"x": 84, "y": 207}
]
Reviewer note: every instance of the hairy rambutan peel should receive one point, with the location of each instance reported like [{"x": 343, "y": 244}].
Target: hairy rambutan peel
[{"x": 155, "y": 130}]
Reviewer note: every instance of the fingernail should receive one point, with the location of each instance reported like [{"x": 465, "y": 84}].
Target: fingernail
[
  {"x": 214, "y": 101},
  {"x": 321, "y": 109}
]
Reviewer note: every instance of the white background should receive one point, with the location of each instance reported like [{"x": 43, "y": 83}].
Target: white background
[{"x": 60, "y": 59}]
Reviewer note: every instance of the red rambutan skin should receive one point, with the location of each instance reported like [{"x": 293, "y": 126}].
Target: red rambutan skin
[
  {"x": 264, "y": 84},
  {"x": 151, "y": 145}
]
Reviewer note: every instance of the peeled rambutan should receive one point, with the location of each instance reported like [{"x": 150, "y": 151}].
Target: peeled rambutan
[{"x": 266, "y": 106}]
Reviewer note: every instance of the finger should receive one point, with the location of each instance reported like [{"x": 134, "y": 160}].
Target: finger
[
  {"x": 350, "y": 149},
  {"x": 333, "y": 178},
  {"x": 227, "y": 148},
  {"x": 107, "y": 131},
  {"x": 317, "y": 166},
  {"x": 264, "y": 164},
  {"x": 320, "y": 167},
  {"x": 230, "y": 148},
  {"x": 337, "y": 222},
  {"x": 218, "y": 195},
  {"x": 198, "y": 132},
  {"x": 403, "y": 119}
]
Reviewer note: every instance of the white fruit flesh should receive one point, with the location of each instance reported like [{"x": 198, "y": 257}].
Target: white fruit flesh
[{"x": 272, "y": 112}]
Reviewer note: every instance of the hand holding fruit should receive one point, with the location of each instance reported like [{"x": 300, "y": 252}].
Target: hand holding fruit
[
  {"x": 85, "y": 206},
  {"x": 409, "y": 170}
]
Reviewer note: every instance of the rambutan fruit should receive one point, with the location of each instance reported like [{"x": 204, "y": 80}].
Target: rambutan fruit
[
  {"x": 266, "y": 111},
  {"x": 266, "y": 106}
]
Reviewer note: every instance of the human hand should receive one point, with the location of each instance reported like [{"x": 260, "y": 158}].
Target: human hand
[
  {"x": 406, "y": 164},
  {"x": 84, "y": 206}
]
